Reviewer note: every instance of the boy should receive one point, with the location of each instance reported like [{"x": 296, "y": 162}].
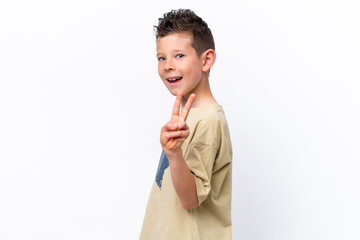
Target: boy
[{"x": 191, "y": 195}]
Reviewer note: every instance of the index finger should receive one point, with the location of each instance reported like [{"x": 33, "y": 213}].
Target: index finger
[
  {"x": 186, "y": 109},
  {"x": 176, "y": 108}
]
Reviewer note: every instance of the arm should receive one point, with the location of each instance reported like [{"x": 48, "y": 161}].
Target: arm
[
  {"x": 183, "y": 180},
  {"x": 172, "y": 136}
]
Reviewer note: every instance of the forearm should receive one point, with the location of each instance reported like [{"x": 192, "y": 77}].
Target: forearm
[{"x": 183, "y": 180}]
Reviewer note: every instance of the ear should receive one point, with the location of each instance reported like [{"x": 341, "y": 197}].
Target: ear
[{"x": 208, "y": 58}]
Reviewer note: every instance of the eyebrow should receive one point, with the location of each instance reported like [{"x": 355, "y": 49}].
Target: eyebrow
[{"x": 175, "y": 51}]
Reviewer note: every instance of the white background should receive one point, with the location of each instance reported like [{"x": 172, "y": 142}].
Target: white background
[{"x": 81, "y": 106}]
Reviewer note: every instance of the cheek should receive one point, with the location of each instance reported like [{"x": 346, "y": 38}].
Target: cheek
[
  {"x": 159, "y": 70},
  {"x": 194, "y": 69}
]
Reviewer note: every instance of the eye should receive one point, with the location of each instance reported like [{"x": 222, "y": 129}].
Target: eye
[
  {"x": 161, "y": 58},
  {"x": 180, "y": 55}
]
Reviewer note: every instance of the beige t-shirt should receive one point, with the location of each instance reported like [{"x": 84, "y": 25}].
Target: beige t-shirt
[{"x": 208, "y": 154}]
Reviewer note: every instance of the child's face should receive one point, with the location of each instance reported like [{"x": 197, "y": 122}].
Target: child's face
[{"x": 179, "y": 66}]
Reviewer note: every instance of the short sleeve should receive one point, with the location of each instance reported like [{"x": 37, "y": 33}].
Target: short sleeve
[
  {"x": 200, "y": 160},
  {"x": 207, "y": 151}
]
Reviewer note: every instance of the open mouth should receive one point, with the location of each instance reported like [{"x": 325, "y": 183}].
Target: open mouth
[{"x": 173, "y": 80}]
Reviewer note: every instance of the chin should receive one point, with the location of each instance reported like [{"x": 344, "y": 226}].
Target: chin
[{"x": 173, "y": 92}]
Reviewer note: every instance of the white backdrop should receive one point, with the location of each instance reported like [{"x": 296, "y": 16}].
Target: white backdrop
[{"x": 81, "y": 106}]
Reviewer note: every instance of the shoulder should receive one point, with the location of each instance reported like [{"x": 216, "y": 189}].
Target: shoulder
[
  {"x": 207, "y": 123},
  {"x": 209, "y": 113}
]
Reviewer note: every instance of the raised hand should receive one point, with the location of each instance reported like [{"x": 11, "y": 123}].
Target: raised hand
[{"x": 175, "y": 132}]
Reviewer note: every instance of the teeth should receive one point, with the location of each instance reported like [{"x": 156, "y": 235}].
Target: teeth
[{"x": 173, "y": 79}]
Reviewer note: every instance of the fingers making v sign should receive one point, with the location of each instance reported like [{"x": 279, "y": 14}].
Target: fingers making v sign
[{"x": 175, "y": 132}]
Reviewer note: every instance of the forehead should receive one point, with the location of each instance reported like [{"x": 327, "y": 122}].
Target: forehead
[{"x": 174, "y": 41}]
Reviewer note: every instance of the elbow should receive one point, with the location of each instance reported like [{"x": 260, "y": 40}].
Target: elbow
[{"x": 190, "y": 204}]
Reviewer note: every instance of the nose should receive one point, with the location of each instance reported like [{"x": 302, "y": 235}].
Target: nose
[{"x": 169, "y": 65}]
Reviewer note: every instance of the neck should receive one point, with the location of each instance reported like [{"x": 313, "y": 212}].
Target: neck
[{"x": 203, "y": 93}]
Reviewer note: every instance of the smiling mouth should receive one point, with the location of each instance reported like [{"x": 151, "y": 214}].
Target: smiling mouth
[{"x": 172, "y": 80}]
